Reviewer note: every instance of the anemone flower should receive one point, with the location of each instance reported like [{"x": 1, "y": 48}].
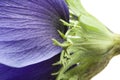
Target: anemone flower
[{"x": 26, "y": 30}]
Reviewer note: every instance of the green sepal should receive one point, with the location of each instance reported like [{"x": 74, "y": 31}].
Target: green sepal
[
  {"x": 88, "y": 45},
  {"x": 86, "y": 20},
  {"x": 76, "y": 7}
]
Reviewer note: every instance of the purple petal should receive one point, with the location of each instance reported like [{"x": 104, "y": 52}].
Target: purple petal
[
  {"x": 39, "y": 71},
  {"x": 26, "y": 30}
]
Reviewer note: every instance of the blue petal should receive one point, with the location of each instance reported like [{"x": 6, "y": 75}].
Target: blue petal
[
  {"x": 26, "y": 30},
  {"x": 39, "y": 71}
]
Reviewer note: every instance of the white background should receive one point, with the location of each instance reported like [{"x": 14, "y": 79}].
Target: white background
[{"x": 108, "y": 12}]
